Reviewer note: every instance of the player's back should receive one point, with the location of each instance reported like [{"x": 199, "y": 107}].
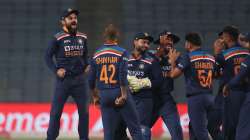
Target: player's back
[
  {"x": 199, "y": 74},
  {"x": 231, "y": 61},
  {"x": 109, "y": 62}
]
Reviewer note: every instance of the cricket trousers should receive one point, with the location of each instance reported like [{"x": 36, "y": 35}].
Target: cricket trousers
[
  {"x": 243, "y": 127},
  {"x": 215, "y": 118},
  {"x": 144, "y": 107},
  {"x": 112, "y": 115},
  {"x": 232, "y": 106},
  {"x": 75, "y": 86},
  {"x": 164, "y": 106},
  {"x": 199, "y": 106}
]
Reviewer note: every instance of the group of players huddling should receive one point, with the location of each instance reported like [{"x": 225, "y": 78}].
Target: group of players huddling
[{"x": 133, "y": 89}]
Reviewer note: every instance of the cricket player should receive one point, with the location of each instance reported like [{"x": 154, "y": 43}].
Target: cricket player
[
  {"x": 69, "y": 49},
  {"x": 243, "y": 126},
  {"x": 164, "y": 104},
  {"x": 198, "y": 67},
  {"x": 144, "y": 75},
  {"x": 108, "y": 74},
  {"x": 244, "y": 40},
  {"x": 230, "y": 61}
]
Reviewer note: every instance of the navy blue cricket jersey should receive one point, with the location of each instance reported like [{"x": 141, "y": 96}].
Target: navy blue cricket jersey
[
  {"x": 230, "y": 61},
  {"x": 243, "y": 75},
  {"x": 109, "y": 67},
  {"x": 168, "y": 83},
  {"x": 70, "y": 52},
  {"x": 198, "y": 67},
  {"x": 145, "y": 66}
]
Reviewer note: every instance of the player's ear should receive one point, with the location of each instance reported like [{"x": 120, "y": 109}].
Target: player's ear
[
  {"x": 135, "y": 42},
  {"x": 63, "y": 22},
  {"x": 189, "y": 45}
]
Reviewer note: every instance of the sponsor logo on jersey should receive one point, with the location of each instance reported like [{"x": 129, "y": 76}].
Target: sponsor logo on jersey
[
  {"x": 80, "y": 41},
  {"x": 141, "y": 66},
  {"x": 66, "y": 41}
]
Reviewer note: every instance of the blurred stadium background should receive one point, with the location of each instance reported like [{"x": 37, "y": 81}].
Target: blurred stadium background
[{"x": 26, "y": 27}]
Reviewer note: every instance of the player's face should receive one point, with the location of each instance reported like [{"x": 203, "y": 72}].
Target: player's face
[
  {"x": 187, "y": 46},
  {"x": 226, "y": 38},
  {"x": 141, "y": 45},
  {"x": 166, "y": 42},
  {"x": 70, "y": 22},
  {"x": 243, "y": 41}
]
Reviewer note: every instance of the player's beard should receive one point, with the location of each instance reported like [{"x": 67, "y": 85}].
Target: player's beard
[
  {"x": 71, "y": 29},
  {"x": 141, "y": 50},
  {"x": 167, "y": 47}
]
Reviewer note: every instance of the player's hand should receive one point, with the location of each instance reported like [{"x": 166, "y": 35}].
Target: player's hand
[
  {"x": 225, "y": 91},
  {"x": 96, "y": 100},
  {"x": 139, "y": 84},
  {"x": 131, "y": 78},
  {"x": 173, "y": 55},
  {"x": 87, "y": 69},
  {"x": 120, "y": 100},
  {"x": 95, "y": 97},
  {"x": 61, "y": 72},
  {"x": 218, "y": 46}
]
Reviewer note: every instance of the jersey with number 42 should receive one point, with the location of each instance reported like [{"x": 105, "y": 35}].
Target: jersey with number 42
[
  {"x": 108, "y": 67},
  {"x": 199, "y": 68}
]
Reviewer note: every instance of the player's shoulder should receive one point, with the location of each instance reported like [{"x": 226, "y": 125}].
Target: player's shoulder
[
  {"x": 148, "y": 58},
  {"x": 80, "y": 34},
  {"x": 247, "y": 61},
  {"x": 114, "y": 50},
  {"x": 60, "y": 35},
  {"x": 236, "y": 50}
]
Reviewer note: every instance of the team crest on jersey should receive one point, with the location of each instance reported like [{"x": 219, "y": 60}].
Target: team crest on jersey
[
  {"x": 141, "y": 66},
  {"x": 80, "y": 41}
]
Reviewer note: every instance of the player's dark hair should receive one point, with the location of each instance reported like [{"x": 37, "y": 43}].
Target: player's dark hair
[
  {"x": 193, "y": 38},
  {"x": 233, "y": 31},
  {"x": 111, "y": 33}
]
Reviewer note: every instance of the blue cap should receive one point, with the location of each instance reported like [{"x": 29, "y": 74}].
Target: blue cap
[
  {"x": 68, "y": 11},
  {"x": 175, "y": 38},
  {"x": 144, "y": 35}
]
